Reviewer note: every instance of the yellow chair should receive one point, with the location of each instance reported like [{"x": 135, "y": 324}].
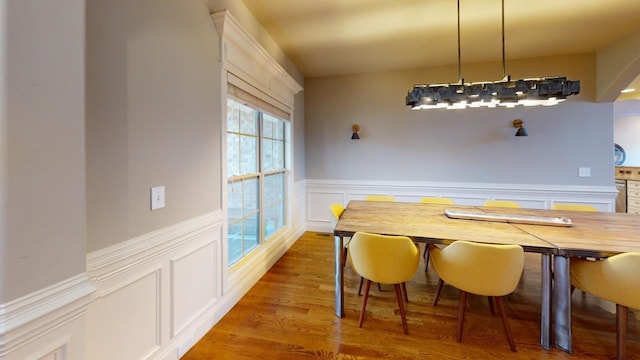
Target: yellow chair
[
  {"x": 336, "y": 211},
  {"x": 574, "y": 207},
  {"x": 502, "y": 203},
  {"x": 387, "y": 260},
  {"x": 389, "y": 198},
  {"x": 481, "y": 269},
  {"x": 437, "y": 200},
  {"x": 613, "y": 279}
]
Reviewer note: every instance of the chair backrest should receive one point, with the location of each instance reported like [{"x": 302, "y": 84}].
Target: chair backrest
[
  {"x": 482, "y": 269},
  {"x": 437, "y": 200},
  {"x": 389, "y": 198},
  {"x": 574, "y": 207},
  {"x": 384, "y": 259},
  {"x": 614, "y": 279},
  {"x": 335, "y": 211},
  {"x": 502, "y": 203}
]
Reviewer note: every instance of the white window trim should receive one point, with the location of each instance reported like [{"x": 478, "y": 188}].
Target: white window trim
[{"x": 244, "y": 59}]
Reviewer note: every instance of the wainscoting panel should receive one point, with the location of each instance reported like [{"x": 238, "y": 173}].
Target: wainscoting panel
[
  {"x": 322, "y": 193},
  {"x": 156, "y": 294},
  {"x": 129, "y": 316},
  {"x": 187, "y": 297}
]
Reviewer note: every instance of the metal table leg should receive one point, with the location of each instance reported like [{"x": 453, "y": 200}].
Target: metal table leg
[
  {"x": 562, "y": 302},
  {"x": 339, "y": 248},
  {"x": 545, "y": 311}
]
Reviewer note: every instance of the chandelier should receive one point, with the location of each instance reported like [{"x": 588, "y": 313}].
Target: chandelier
[{"x": 509, "y": 93}]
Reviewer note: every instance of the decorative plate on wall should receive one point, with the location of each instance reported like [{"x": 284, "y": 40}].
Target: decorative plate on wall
[{"x": 619, "y": 155}]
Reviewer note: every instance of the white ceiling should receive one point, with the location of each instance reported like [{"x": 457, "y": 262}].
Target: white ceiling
[{"x": 333, "y": 37}]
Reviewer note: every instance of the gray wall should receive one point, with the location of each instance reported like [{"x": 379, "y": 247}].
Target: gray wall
[
  {"x": 153, "y": 115},
  {"x": 42, "y": 187},
  {"x": 627, "y": 130},
  {"x": 473, "y": 145}
]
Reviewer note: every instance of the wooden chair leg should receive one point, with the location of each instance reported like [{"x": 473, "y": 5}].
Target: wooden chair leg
[
  {"x": 367, "y": 285},
  {"x": 622, "y": 314},
  {"x": 379, "y": 287},
  {"x": 403, "y": 315},
  {"x": 404, "y": 289},
  {"x": 438, "y": 291},
  {"x": 461, "y": 309},
  {"x": 505, "y": 323},
  {"x": 493, "y": 311}
]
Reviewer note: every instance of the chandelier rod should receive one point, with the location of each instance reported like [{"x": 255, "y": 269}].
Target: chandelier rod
[
  {"x": 504, "y": 66},
  {"x": 459, "y": 57}
]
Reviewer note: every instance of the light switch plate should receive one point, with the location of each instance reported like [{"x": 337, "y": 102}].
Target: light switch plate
[
  {"x": 157, "y": 197},
  {"x": 584, "y": 172}
]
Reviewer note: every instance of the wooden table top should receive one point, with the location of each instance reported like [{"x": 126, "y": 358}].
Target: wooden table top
[
  {"x": 427, "y": 222},
  {"x": 595, "y": 234}
]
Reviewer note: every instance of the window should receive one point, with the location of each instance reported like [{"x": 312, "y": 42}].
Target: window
[{"x": 256, "y": 177}]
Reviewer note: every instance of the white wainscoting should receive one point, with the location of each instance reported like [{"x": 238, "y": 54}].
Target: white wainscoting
[
  {"x": 158, "y": 294},
  {"x": 47, "y": 323},
  {"x": 320, "y": 194}
]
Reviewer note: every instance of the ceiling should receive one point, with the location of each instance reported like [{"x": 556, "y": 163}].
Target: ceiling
[{"x": 337, "y": 37}]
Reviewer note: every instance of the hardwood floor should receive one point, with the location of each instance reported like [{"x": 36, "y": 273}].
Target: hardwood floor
[{"x": 289, "y": 314}]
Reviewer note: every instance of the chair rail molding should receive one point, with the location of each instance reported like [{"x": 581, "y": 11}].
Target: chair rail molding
[{"x": 45, "y": 316}]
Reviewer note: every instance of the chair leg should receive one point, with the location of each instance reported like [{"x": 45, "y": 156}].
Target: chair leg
[
  {"x": 505, "y": 323},
  {"x": 404, "y": 289},
  {"x": 345, "y": 251},
  {"x": 367, "y": 285},
  {"x": 401, "y": 304},
  {"x": 426, "y": 257},
  {"x": 493, "y": 311},
  {"x": 461, "y": 308},
  {"x": 438, "y": 291},
  {"x": 622, "y": 314},
  {"x": 360, "y": 287}
]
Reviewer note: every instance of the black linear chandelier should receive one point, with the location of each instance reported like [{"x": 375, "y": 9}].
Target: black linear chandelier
[{"x": 509, "y": 93}]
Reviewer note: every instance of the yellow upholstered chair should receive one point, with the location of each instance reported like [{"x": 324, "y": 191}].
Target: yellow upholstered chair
[
  {"x": 613, "y": 279},
  {"x": 389, "y": 198},
  {"x": 481, "y": 269},
  {"x": 574, "y": 207},
  {"x": 387, "y": 260},
  {"x": 437, "y": 200},
  {"x": 502, "y": 203},
  {"x": 336, "y": 210}
]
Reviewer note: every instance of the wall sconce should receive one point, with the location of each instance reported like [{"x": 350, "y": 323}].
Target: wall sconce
[
  {"x": 355, "y": 128},
  {"x": 519, "y": 124}
]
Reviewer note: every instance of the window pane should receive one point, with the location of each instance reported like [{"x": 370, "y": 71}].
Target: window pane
[
  {"x": 235, "y": 242},
  {"x": 278, "y": 155},
  {"x": 233, "y": 116},
  {"x": 248, "y": 120},
  {"x": 250, "y": 196},
  {"x": 273, "y": 219},
  {"x": 269, "y": 194},
  {"x": 233, "y": 155},
  {"x": 267, "y": 154},
  {"x": 251, "y": 233},
  {"x": 234, "y": 201},
  {"x": 249, "y": 155}
]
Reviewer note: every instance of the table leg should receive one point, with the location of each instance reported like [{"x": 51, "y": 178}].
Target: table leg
[
  {"x": 562, "y": 302},
  {"x": 339, "y": 248},
  {"x": 545, "y": 315}
]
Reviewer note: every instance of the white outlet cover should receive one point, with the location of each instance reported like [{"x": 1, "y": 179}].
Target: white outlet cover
[
  {"x": 157, "y": 197},
  {"x": 584, "y": 172}
]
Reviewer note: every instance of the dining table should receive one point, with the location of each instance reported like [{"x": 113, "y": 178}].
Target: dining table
[{"x": 556, "y": 235}]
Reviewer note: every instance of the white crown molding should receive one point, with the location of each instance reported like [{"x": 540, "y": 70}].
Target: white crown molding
[{"x": 244, "y": 56}]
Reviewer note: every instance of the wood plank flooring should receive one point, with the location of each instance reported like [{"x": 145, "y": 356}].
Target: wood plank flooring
[{"x": 289, "y": 314}]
